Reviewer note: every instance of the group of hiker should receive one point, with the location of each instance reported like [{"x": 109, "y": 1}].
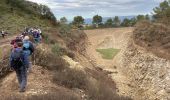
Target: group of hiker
[
  {"x": 35, "y": 32},
  {"x": 20, "y": 58}
]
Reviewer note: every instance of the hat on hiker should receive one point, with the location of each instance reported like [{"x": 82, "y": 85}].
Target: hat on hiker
[
  {"x": 19, "y": 44},
  {"x": 26, "y": 38}
]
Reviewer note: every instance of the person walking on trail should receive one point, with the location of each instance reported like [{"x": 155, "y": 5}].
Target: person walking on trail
[
  {"x": 28, "y": 48},
  {"x": 14, "y": 42},
  {"x": 40, "y": 32},
  {"x": 3, "y": 34},
  {"x": 19, "y": 62},
  {"x": 36, "y": 36}
]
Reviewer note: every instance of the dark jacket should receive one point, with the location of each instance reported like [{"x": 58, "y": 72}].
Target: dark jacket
[{"x": 24, "y": 58}]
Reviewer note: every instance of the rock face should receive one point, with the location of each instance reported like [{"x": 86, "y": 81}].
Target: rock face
[{"x": 149, "y": 74}]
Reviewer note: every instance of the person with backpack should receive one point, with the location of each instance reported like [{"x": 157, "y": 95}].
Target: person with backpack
[
  {"x": 19, "y": 63},
  {"x": 36, "y": 36},
  {"x": 28, "y": 48}
]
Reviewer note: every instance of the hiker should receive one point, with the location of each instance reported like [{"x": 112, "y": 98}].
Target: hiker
[
  {"x": 3, "y": 34},
  {"x": 14, "y": 42},
  {"x": 39, "y": 30},
  {"x": 19, "y": 63},
  {"x": 28, "y": 48},
  {"x": 40, "y": 33},
  {"x": 26, "y": 30},
  {"x": 24, "y": 34},
  {"x": 36, "y": 36}
]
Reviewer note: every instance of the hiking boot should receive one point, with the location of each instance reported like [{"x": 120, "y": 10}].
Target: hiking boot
[{"x": 22, "y": 90}]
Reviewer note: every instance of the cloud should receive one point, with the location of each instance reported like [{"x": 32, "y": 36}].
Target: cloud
[{"x": 88, "y": 8}]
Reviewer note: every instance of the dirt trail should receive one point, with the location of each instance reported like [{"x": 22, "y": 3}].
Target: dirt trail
[
  {"x": 110, "y": 38},
  {"x": 6, "y": 41},
  {"x": 39, "y": 84}
]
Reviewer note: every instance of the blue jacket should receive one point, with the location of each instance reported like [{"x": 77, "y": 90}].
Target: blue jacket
[
  {"x": 24, "y": 58},
  {"x": 28, "y": 47}
]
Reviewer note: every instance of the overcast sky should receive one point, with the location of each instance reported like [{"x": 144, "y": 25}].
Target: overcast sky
[{"x": 105, "y": 8}]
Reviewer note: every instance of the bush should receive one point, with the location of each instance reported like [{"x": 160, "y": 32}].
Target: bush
[
  {"x": 64, "y": 28},
  {"x": 154, "y": 34},
  {"x": 56, "y": 49},
  {"x": 154, "y": 37},
  {"x": 49, "y": 60},
  {"x": 4, "y": 61},
  {"x": 71, "y": 78},
  {"x": 101, "y": 91},
  {"x": 46, "y": 38},
  {"x": 101, "y": 87}
]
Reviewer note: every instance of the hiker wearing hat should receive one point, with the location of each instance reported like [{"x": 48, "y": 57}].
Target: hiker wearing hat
[{"x": 28, "y": 48}]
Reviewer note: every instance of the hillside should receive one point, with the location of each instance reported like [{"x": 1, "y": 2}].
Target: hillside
[
  {"x": 137, "y": 72},
  {"x": 154, "y": 37},
  {"x": 131, "y": 63},
  {"x": 15, "y": 15},
  {"x": 61, "y": 68}
]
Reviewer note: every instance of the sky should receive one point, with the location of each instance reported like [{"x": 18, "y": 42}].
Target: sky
[{"x": 105, "y": 8}]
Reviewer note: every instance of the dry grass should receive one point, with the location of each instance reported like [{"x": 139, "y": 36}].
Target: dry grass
[
  {"x": 154, "y": 37},
  {"x": 48, "y": 60},
  {"x": 152, "y": 33},
  {"x": 50, "y": 96},
  {"x": 4, "y": 61},
  {"x": 102, "y": 87},
  {"x": 71, "y": 78}
]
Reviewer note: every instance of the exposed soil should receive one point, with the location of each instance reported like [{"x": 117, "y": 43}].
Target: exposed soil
[
  {"x": 137, "y": 72},
  {"x": 39, "y": 83},
  {"x": 110, "y": 38}
]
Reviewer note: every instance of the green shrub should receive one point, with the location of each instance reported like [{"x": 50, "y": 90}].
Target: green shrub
[
  {"x": 65, "y": 30},
  {"x": 56, "y": 49}
]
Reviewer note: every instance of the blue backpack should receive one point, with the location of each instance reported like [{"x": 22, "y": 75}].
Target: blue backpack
[
  {"x": 26, "y": 48},
  {"x": 26, "y": 45}
]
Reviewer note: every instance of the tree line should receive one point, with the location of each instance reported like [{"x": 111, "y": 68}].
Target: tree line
[{"x": 97, "y": 21}]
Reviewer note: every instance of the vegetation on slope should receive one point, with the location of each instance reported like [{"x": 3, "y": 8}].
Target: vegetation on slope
[
  {"x": 18, "y": 14},
  {"x": 155, "y": 36}
]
